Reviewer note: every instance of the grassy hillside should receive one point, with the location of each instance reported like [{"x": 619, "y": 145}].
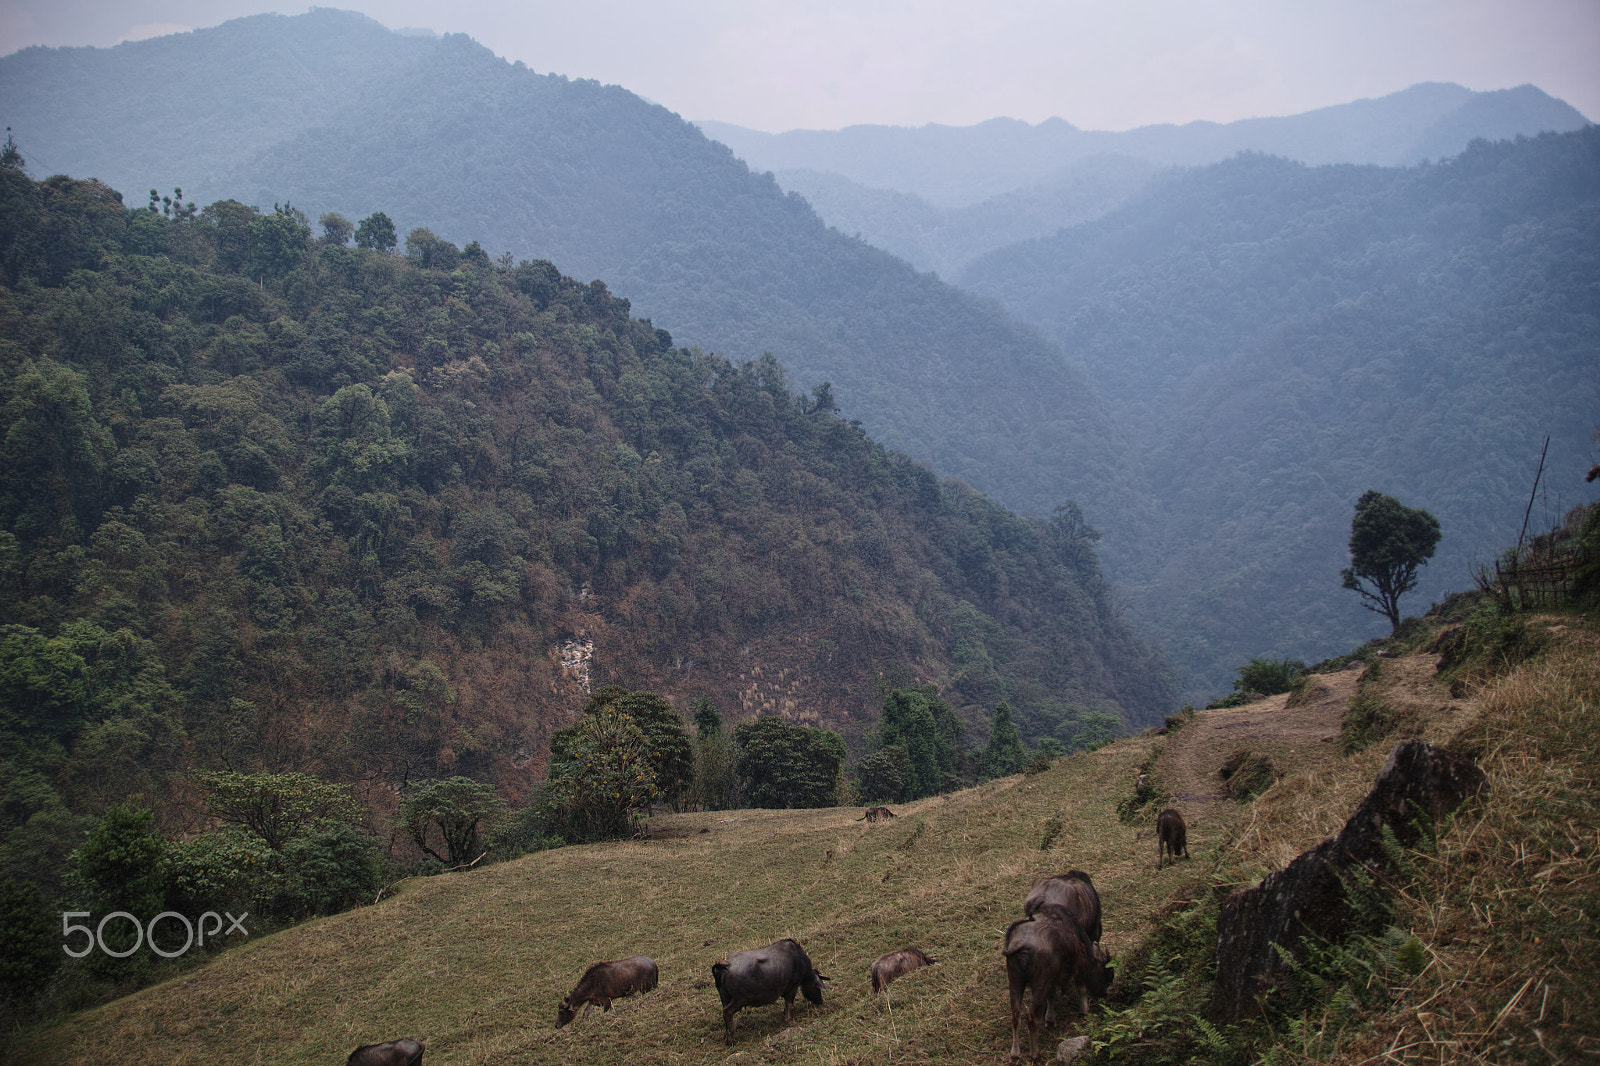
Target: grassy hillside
[{"x": 474, "y": 963}]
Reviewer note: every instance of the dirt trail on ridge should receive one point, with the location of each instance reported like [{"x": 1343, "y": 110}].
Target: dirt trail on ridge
[{"x": 1298, "y": 738}]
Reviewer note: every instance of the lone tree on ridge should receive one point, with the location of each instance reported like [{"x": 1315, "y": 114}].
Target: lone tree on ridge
[{"x": 1388, "y": 541}]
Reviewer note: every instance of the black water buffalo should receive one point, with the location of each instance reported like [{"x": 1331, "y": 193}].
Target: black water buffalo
[
  {"x": 897, "y": 964},
  {"x": 1172, "y": 837},
  {"x": 405, "y": 1052},
  {"x": 1074, "y": 891},
  {"x": 1047, "y": 952},
  {"x": 755, "y": 978},
  {"x": 606, "y": 981}
]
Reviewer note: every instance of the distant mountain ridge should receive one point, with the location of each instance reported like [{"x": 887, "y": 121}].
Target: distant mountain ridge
[
  {"x": 956, "y": 166},
  {"x": 941, "y": 196}
]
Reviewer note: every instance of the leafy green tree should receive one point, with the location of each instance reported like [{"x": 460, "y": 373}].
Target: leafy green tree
[
  {"x": 277, "y": 807},
  {"x": 707, "y": 718},
  {"x": 336, "y": 229},
  {"x": 713, "y": 766},
  {"x": 278, "y": 242},
  {"x": 32, "y": 938},
  {"x": 671, "y": 754},
  {"x": 457, "y": 810},
  {"x": 1095, "y": 729},
  {"x": 330, "y": 870},
  {"x": 1051, "y": 748},
  {"x": 376, "y": 232},
  {"x": 884, "y": 776},
  {"x": 121, "y": 867},
  {"x": 430, "y": 252},
  {"x": 1004, "y": 754},
  {"x": 1388, "y": 542},
  {"x": 52, "y": 452},
  {"x": 782, "y": 765},
  {"x": 11, "y": 155},
  {"x": 922, "y": 723},
  {"x": 226, "y": 867},
  {"x": 600, "y": 774}
]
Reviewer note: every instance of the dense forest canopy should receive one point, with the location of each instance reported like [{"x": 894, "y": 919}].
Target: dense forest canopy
[
  {"x": 1282, "y": 338},
  {"x": 271, "y": 503}
]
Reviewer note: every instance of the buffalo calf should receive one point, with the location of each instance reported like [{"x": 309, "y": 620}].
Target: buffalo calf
[
  {"x": 406, "y": 1052},
  {"x": 1172, "y": 837},
  {"x": 897, "y": 964},
  {"x": 606, "y": 981}
]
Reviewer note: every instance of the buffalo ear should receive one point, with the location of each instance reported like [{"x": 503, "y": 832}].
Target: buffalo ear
[{"x": 823, "y": 978}]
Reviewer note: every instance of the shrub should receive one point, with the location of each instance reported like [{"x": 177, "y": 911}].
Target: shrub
[
  {"x": 328, "y": 871},
  {"x": 226, "y": 867},
  {"x": 1269, "y": 676},
  {"x": 1247, "y": 774}
]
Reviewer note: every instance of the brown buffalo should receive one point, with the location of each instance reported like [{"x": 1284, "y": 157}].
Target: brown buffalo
[
  {"x": 1172, "y": 837},
  {"x": 755, "y": 978},
  {"x": 897, "y": 964},
  {"x": 1074, "y": 891},
  {"x": 874, "y": 813},
  {"x": 406, "y": 1052},
  {"x": 1047, "y": 952},
  {"x": 606, "y": 981}
]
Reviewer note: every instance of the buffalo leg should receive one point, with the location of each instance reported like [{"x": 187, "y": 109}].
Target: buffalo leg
[
  {"x": 1016, "y": 1017},
  {"x": 729, "y": 1021}
]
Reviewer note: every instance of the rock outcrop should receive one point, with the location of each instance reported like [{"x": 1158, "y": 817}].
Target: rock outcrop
[{"x": 1419, "y": 784}]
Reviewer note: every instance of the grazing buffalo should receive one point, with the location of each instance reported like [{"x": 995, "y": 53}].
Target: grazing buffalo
[
  {"x": 1046, "y": 952},
  {"x": 897, "y": 964},
  {"x": 1172, "y": 837},
  {"x": 395, "y": 1053},
  {"x": 755, "y": 978},
  {"x": 874, "y": 813},
  {"x": 1074, "y": 891},
  {"x": 606, "y": 981}
]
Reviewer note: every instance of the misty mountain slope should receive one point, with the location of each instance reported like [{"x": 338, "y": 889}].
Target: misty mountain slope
[
  {"x": 149, "y": 112},
  {"x": 953, "y": 166},
  {"x": 946, "y": 239},
  {"x": 1280, "y": 338},
  {"x": 442, "y": 132}
]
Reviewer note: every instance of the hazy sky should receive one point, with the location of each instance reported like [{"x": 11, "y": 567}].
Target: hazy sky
[{"x": 821, "y": 64}]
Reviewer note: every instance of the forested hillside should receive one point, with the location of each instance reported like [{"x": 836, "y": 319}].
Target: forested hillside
[
  {"x": 270, "y": 502},
  {"x": 332, "y": 112},
  {"x": 1281, "y": 338}
]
